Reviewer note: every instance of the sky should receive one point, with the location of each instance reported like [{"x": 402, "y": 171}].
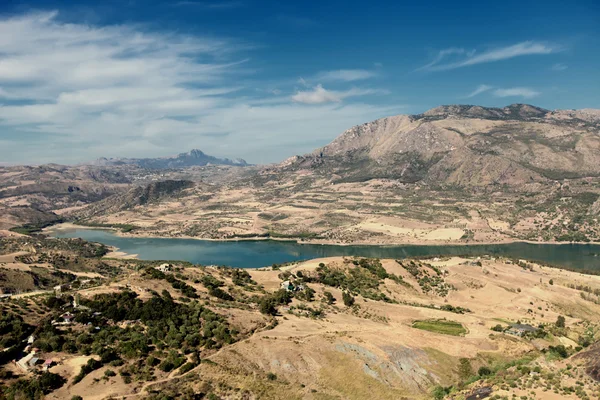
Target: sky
[{"x": 265, "y": 80}]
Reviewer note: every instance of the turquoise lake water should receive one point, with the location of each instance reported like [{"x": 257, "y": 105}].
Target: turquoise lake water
[{"x": 253, "y": 254}]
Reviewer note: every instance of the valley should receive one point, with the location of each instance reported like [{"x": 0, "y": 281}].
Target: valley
[{"x": 91, "y": 318}]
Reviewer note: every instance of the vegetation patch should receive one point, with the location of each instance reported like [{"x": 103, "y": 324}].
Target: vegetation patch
[{"x": 442, "y": 326}]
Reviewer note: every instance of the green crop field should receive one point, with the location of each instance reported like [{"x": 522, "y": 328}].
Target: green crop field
[{"x": 441, "y": 326}]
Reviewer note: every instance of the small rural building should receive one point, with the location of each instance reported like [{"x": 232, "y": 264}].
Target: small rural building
[
  {"x": 521, "y": 329},
  {"x": 287, "y": 285},
  {"x": 68, "y": 318},
  {"x": 33, "y": 362},
  {"x": 164, "y": 267},
  {"x": 23, "y": 363},
  {"x": 47, "y": 364},
  {"x": 61, "y": 288}
]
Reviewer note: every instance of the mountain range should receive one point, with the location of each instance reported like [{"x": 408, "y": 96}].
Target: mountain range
[{"x": 192, "y": 158}]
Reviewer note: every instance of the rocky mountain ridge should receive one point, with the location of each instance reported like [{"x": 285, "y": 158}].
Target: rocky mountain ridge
[{"x": 464, "y": 145}]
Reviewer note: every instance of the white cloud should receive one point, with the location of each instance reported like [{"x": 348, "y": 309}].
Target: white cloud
[
  {"x": 468, "y": 58},
  {"x": 524, "y": 92},
  {"x": 319, "y": 95},
  {"x": 559, "y": 67},
  {"x": 345, "y": 75},
  {"x": 71, "y": 92},
  {"x": 480, "y": 89}
]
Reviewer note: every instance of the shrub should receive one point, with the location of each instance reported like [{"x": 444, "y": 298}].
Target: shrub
[
  {"x": 90, "y": 366},
  {"x": 220, "y": 293},
  {"x": 186, "y": 368},
  {"x": 439, "y": 392},
  {"x": 348, "y": 299},
  {"x": 328, "y": 298},
  {"x": 484, "y": 371},
  {"x": 559, "y": 350},
  {"x": 560, "y": 322},
  {"x": 271, "y": 376},
  {"x": 268, "y": 304},
  {"x": 465, "y": 370}
]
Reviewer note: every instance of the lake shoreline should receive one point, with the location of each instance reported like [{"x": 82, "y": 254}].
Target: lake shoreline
[
  {"x": 266, "y": 252},
  {"x": 67, "y": 226}
]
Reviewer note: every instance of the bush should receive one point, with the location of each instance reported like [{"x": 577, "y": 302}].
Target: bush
[
  {"x": 220, "y": 294},
  {"x": 328, "y": 298},
  {"x": 35, "y": 388},
  {"x": 484, "y": 371},
  {"x": 348, "y": 299},
  {"x": 559, "y": 350},
  {"x": 465, "y": 370},
  {"x": 109, "y": 373},
  {"x": 268, "y": 304},
  {"x": 560, "y": 322},
  {"x": 439, "y": 392},
  {"x": 90, "y": 366},
  {"x": 498, "y": 328},
  {"x": 186, "y": 368},
  {"x": 271, "y": 376}
]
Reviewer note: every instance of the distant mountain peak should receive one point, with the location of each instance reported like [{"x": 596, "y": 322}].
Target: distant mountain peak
[
  {"x": 194, "y": 157},
  {"x": 193, "y": 153}
]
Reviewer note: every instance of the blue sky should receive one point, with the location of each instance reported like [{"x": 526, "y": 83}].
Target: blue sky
[{"x": 265, "y": 80}]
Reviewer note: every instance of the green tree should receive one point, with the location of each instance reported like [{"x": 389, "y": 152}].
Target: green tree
[{"x": 560, "y": 322}]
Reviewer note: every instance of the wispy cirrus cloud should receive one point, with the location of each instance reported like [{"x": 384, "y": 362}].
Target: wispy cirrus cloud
[
  {"x": 480, "y": 89},
  {"x": 453, "y": 58},
  {"x": 319, "y": 95},
  {"x": 559, "y": 67},
  {"x": 125, "y": 91},
  {"x": 345, "y": 75},
  {"x": 524, "y": 92}
]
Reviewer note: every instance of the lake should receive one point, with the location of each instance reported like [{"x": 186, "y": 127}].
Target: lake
[{"x": 253, "y": 254}]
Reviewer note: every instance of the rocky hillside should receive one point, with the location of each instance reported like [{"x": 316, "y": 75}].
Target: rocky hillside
[
  {"x": 464, "y": 145},
  {"x": 190, "y": 159},
  {"x": 30, "y": 195},
  {"x": 137, "y": 196}
]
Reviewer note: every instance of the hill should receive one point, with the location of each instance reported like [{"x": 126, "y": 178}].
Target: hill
[
  {"x": 36, "y": 195},
  {"x": 330, "y": 328}
]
